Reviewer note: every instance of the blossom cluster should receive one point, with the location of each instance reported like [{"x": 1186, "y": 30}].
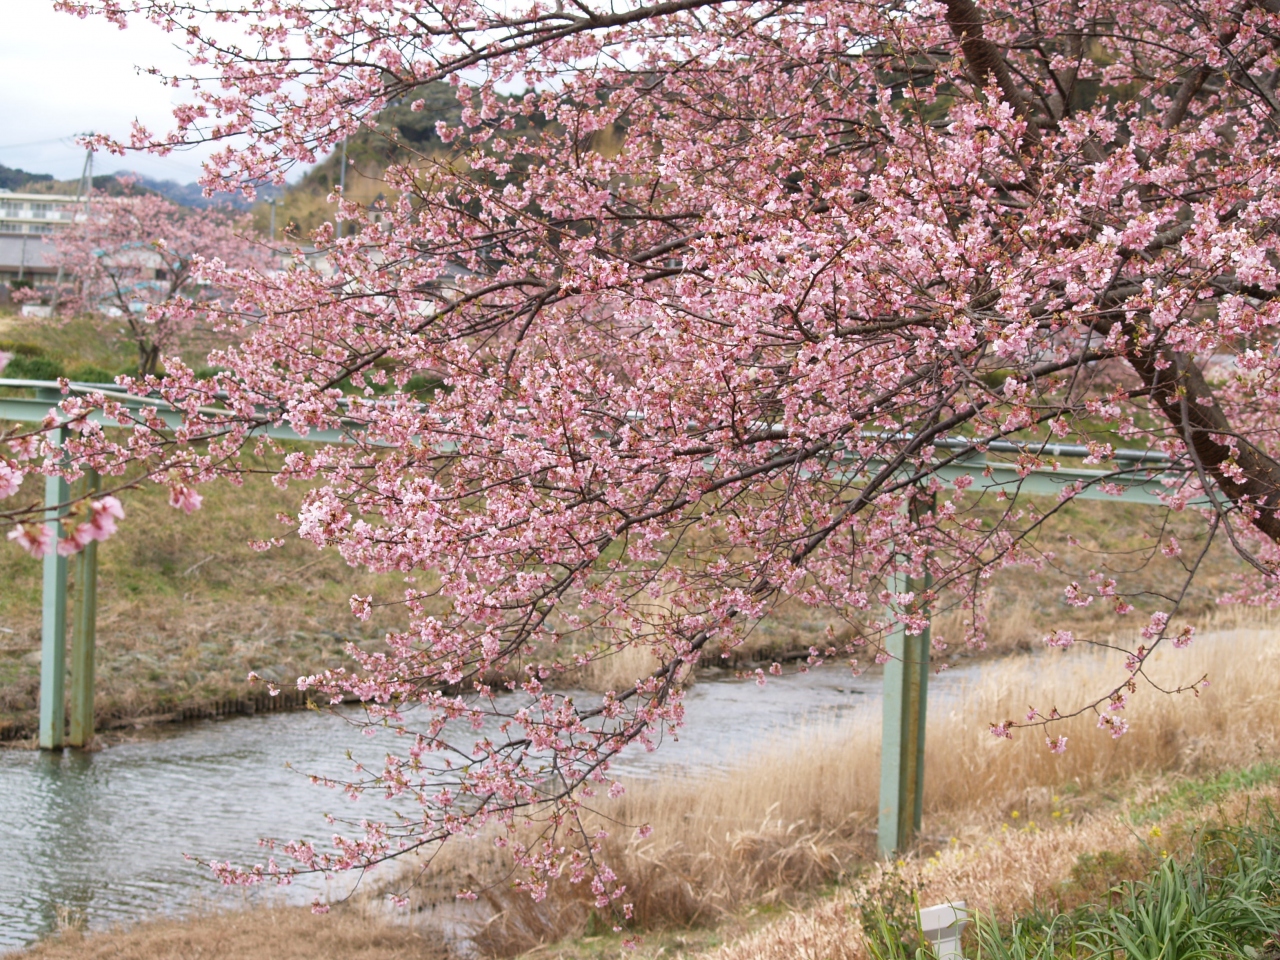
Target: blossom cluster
[{"x": 89, "y": 521}]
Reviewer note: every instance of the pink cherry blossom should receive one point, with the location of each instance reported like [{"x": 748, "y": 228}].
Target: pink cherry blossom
[
  {"x": 130, "y": 254},
  {"x": 10, "y": 479},
  {"x": 72, "y": 543},
  {"x": 1117, "y": 726},
  {"x": 707, "y": 322},
  {"x": 361, "y": 607},
  {"x": 103, "y": 514},
  {"x": 184, "y": 498},
  {"x": 35, "y": 538},
  {"x": 25, "y": 448},
  {"x": 1155, "y": 626}
]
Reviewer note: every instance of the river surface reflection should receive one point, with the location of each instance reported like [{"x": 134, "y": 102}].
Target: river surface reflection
[{"x": 99, "y": 838}]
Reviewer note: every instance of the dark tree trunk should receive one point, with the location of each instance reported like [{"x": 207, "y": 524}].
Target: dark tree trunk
[
  {"x": 148, "y": 358},
  {"x": 1186, "y": 399}
]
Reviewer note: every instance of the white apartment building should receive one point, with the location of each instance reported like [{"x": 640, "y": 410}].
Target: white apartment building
[
  {"x": 25, "y": 220},
  {"x": 36, "y": 213}
]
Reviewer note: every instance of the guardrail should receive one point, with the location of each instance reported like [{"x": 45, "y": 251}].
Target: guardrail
[{"x": 906, "y": 677}]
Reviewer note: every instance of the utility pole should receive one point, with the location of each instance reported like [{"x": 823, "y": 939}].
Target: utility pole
[
  {"x": 86, "y": 176},
  {"x": 86, "y": 179},
  {"x": 84, "y": 188}
]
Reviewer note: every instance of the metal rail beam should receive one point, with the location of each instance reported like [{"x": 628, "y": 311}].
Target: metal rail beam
[
  {"x": 1138, "y": 480},
  {"x": 996, "y": 476},
  {"x": 36, "y": 409}
]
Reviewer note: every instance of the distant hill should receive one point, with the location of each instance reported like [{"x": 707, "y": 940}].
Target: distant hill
[
  {"x": 403, "y": 135},
  {"x": 124, "y": 182},
  {"x": 399, "y": 135},
  {"x": 111, "y": 184},
  {"x": 17, "y": 180},
  {"x": 192, "y": 194}
]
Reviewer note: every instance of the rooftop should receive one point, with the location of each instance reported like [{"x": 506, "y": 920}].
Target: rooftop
[
  {"x": 30, "y": 252},
  {"x": 10, "y": 195}
]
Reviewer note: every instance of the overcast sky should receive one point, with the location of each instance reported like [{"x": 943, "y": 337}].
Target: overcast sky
[{"x": 60, "y": 76}]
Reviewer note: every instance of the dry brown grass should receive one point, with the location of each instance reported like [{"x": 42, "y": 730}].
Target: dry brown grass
[
  {"x": 802, "y": 813},
  {"x": 1234, "y": 723},
  {"x": 1004, "y": 873},
  {"x": 261, "y": 934}
]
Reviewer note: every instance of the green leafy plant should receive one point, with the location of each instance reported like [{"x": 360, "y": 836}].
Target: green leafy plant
[
  {"x": 21, "y": 348},
  {"x": 891, "y": 921},
  {"x": 1172, "y": 916},
  {"x": 90, "y": 373},
  {"x": 1222, "y": 902},
  {"x": 888, "y": 939},
  {"x": 23, "y": 367},
  {"x": 1026, "y": 939}
]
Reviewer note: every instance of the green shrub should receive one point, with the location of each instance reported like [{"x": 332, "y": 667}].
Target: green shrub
[
  {"x": 89, "y": 373},
  {"x": 422, "y": 384},
  {"x": 33, "y": 368},
  {"x": 21, "y": 348}
]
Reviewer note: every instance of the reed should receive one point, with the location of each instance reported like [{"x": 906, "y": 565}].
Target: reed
[
  {"x": 1233, "y": 723},
  {"x": 801, "y": 813}
]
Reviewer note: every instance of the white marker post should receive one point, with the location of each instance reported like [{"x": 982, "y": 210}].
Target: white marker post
[{"x": 942, "y": 926}]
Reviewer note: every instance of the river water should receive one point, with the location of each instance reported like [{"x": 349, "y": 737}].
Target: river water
[{"x": 98, "y": 838}]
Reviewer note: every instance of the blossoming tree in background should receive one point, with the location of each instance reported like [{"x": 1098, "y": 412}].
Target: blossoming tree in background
[
  {"x": 700, "y": 332},
  {"x": 129, "y": 254}
]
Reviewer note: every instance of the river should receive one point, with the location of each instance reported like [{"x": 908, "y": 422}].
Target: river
[{"x": 98, "y": 838}]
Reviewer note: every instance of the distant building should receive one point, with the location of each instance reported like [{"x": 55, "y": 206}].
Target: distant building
[
  {"x": 25, "y": 220},
  {"x": 23, "y": 258},
  {"x": 37, "y": 213}
]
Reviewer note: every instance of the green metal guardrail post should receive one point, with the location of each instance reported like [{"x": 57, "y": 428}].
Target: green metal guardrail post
[
  {"x": 53, "y": 637},
  {"x": 84, "y": 635},
  {"x": 906, "y": 694}
]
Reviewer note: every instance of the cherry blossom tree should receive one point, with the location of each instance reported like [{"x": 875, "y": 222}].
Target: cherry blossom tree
[
  {"x": 130, "y": 254},
  {"x": 704, "y": 337}
]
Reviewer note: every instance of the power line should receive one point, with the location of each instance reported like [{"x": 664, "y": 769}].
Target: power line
[{"x": 68, "y": 140}]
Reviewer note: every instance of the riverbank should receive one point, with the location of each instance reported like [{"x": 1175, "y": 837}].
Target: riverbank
[
  {"x": 801, "y": 815},
  {"x": 1032, "y": 874},
  {"x": 187, "y": 609},
  {"x": 280, "y": 933},
  {"x": 752, "y": 860}
]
